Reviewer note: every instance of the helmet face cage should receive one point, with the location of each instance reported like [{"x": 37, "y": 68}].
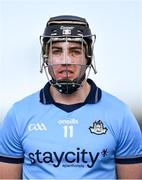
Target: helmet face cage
[{"x": 67, "y": 29}]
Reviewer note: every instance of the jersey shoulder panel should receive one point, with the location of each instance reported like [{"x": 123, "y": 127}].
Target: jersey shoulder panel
[
  {"x": 112, "y": 100},
  {"x": 126, "y": 129},
  {"x": 13, "y": 126}
]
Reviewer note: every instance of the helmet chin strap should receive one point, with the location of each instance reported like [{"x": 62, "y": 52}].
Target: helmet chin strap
[{"x": 67, "y": 86}]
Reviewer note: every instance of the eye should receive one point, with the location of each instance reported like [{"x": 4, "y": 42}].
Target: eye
[
  {"x": 76, "y": 52},
  {"x": 56, "y": 51}
]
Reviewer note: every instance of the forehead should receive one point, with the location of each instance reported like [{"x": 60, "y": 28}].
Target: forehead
[{"x": 66, "y": 44}]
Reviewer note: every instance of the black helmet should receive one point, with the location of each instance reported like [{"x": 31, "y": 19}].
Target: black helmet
[
  {"x": 69, "y": 26},
  {"x": 73, "y": 28}
]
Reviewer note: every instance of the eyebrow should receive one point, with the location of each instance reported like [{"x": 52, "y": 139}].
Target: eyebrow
[
  {"x": 72, "y": 47},
  {"x": 57, "y": 47}
]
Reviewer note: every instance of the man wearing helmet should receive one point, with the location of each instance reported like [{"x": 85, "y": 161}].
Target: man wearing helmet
[
  {"x": 70, "y": 129},
  {"x": 67, "y": 44}
]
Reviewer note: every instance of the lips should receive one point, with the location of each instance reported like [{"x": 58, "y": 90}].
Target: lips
[
  {"x": 65, "y": 73},
  {"x": 62, "y": 72}
]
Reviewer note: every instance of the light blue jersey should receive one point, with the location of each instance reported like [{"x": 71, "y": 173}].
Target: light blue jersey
[{"x": 80, "y": 141}]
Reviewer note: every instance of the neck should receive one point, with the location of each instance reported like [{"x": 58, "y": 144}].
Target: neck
[{"x": 78, "y": 96}]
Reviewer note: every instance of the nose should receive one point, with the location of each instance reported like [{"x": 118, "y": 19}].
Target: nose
[
  {"x": 66, "y": 55},
  {"x": 67, "y": 61},
  {"x": 66, "y": 64}
]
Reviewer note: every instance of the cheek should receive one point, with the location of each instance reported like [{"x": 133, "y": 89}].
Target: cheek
[
  {"x": 53, "y": 70},
  {"x": 81, "y": 60},
  {"x": 68, "y": 60},
  {"x": 55, "y": 60},
  {"x": 85, "y": 61}
]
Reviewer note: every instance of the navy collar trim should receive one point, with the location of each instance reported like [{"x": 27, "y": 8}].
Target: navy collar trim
[{"x": 93, "y": 97}]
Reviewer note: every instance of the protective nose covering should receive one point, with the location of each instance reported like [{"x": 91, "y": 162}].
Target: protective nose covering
[{"x": 66, "y": 63}]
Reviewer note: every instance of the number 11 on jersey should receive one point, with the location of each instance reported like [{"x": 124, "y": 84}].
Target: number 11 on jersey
[{"x": 68, "y": 131}]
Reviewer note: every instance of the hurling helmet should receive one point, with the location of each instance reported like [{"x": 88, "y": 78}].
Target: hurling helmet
[{"x": 67, "y": 28}]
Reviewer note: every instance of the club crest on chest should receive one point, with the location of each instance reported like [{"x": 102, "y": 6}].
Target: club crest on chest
[{"x": 98, "y": 128}]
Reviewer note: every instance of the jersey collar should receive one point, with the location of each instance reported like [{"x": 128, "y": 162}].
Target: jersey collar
[{"x": 93, "y": 97}]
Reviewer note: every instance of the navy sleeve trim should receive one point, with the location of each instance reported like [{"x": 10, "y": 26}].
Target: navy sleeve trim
[
  {"x": 11, "y": 160},
  {"x": 128, "y": 160}
]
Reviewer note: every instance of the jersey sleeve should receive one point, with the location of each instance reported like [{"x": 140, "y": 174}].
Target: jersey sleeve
[
  {"x": 10, "y": 146},
  {"x": 129, "y": 145}
]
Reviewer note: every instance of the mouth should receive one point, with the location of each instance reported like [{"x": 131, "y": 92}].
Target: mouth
[
  {"x": 65, "y": 74},
  {"x": 66, "y": 71}
]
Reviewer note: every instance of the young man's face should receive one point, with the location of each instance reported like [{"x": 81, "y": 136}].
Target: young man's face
[{"x": 66, "y": 60}]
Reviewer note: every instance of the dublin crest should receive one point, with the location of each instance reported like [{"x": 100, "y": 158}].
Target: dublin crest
[{"x": 98, "y": 128}]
